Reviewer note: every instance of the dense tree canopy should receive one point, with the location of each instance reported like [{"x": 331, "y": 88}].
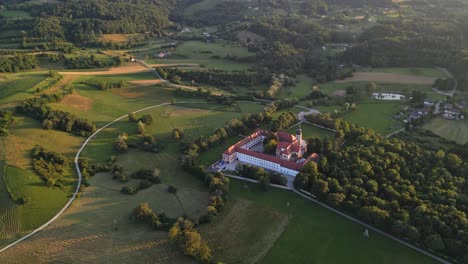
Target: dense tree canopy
[{"x": 396, "y": 185}]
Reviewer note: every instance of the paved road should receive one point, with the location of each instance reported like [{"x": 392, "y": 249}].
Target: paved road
[{"x": 455, "y": 86}]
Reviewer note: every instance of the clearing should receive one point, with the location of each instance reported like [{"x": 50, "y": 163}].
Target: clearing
[{"x": 456, "y": 130}]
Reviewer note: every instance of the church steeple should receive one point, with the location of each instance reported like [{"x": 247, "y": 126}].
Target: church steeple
[{"x": 299, "y": 133}]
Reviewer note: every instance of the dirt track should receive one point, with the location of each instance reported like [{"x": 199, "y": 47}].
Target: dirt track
[
  {"x": 137, "y": 68},
  {"x": 389, "y": 77},
  {"x": 145, "y": 82}
]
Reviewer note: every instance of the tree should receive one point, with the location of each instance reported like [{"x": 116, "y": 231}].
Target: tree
[
  {"x": 140, "y": 127},
  {"x": 120, "y": 145},
  {"x": 371, "y": 87},
  {"x": 143, "y": 212},
  {"x": 453, "y": 161},
  {"x": 434, "y": 242},
  {"x": 320, "y": 188},
  {"x": 132, "y": 117},
  {"x": 264, "y": 181},
  {"x": 147, "y": 119}
]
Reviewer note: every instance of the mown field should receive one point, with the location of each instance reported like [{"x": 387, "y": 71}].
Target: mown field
[
  {"x": 15, "y": 87},
  {"x": 209, "y": 55},
  {"x": 377, "y": 116},
  {"x": 20, "y": 180},
  {"x": 416, "y": 71},
  {"x": 317, "y": 235},
  {"x": 302, "y": 88},
  {"x": 456, "y": 130},
  {"x": 309, "y": 131},
  {"x": 384, "y": 87}
]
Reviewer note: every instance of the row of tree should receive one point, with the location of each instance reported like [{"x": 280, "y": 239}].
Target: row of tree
[
  {"x": 18, "y": 62},
  {"x": 50, "y": 166},
  {"x": 6, "y": 119}
]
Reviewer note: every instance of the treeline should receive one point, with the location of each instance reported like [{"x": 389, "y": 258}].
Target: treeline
[
  {"x": 217, "y": 77},
  {"x": 396, "y": 185},
  {"x": 6, "y": 119},
  {"x": 17, "y": 62},
  {"x": 144, "y": 214},
  {"x": 284, "y": 121},
  {"x": 49, "y": 165},
  {"x": 91, "y": 62},
  {"x": 184, "y": 235},
  {"x": 264, "y": 177},
  {"x": 55, "y": 119}
]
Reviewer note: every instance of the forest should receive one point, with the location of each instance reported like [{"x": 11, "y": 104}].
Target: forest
[{"x": 396, "y": 185}]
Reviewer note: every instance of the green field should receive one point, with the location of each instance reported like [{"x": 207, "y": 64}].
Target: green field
[
  {"x": 202, "y": 53},
  {"x": 18, "y": 14},
  {"x": 456, "y": 130},
  {"x": 309, "y": 131},
  {"x": 405, "y": 89},
  {"x": 302, "y": 88},
  {"x": 317, "y": 235},
  {"x": 377, "y": 116},
  {"x": 45, "y": 202},
  {"x": 429, "y": 72},
  {"x": 18, "y": 86}
]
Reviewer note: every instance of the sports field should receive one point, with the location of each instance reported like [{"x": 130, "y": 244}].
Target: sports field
[{"x": 456, "y": 130}]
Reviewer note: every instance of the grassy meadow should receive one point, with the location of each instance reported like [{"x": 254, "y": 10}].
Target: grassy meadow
[
  {"x": 317, "y": 235},
  {"x": 209, "y": 55},
  {"x": 456, "y": 130}
]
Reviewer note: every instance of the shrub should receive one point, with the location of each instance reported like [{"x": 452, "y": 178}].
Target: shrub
[
  {"x": 128, "y": 190},
  {"x": 144, "y": 185},
  {"x": 172, "y": 189}
]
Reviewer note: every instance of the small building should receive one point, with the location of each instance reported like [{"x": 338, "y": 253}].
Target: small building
[{"x": 428, "y": 103}]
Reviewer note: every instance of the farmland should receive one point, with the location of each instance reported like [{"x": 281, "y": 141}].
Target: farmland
[
  {"x": 315, "y": 234},
  {"x": 456, "y": 130},
  {"x": 209, "y": 55}
]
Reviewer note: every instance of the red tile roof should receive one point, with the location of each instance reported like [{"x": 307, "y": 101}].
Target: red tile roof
[{"x": 292, "y": 145}]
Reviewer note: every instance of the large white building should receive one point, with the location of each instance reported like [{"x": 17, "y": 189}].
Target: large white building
[{"x": 289, "y": 152}]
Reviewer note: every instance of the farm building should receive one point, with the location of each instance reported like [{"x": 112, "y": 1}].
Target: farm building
[{"x": 289, "y": 158}]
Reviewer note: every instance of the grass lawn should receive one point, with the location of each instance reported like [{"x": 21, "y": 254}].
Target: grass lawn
[
  {"x": 15, "y": 14},
  {"x": 317, "y": 235},
  {"x": 302, "y": 88},
  {"x": 21, "y": 181},
  {"x": 456, "y": 130},
  {"x": 309, "y": 131},
  {"x": 15, "y": 87},
  {"x": 5, "y": 200},
  {"x": 405, "y": 89},
  {"x": 45, "y": 202},
  {"x": 417, "y": 71},
  {"x": 244, "y": 232},
  {"x": 203, "y": 53},
  {"x": 377, "y": 116}
]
